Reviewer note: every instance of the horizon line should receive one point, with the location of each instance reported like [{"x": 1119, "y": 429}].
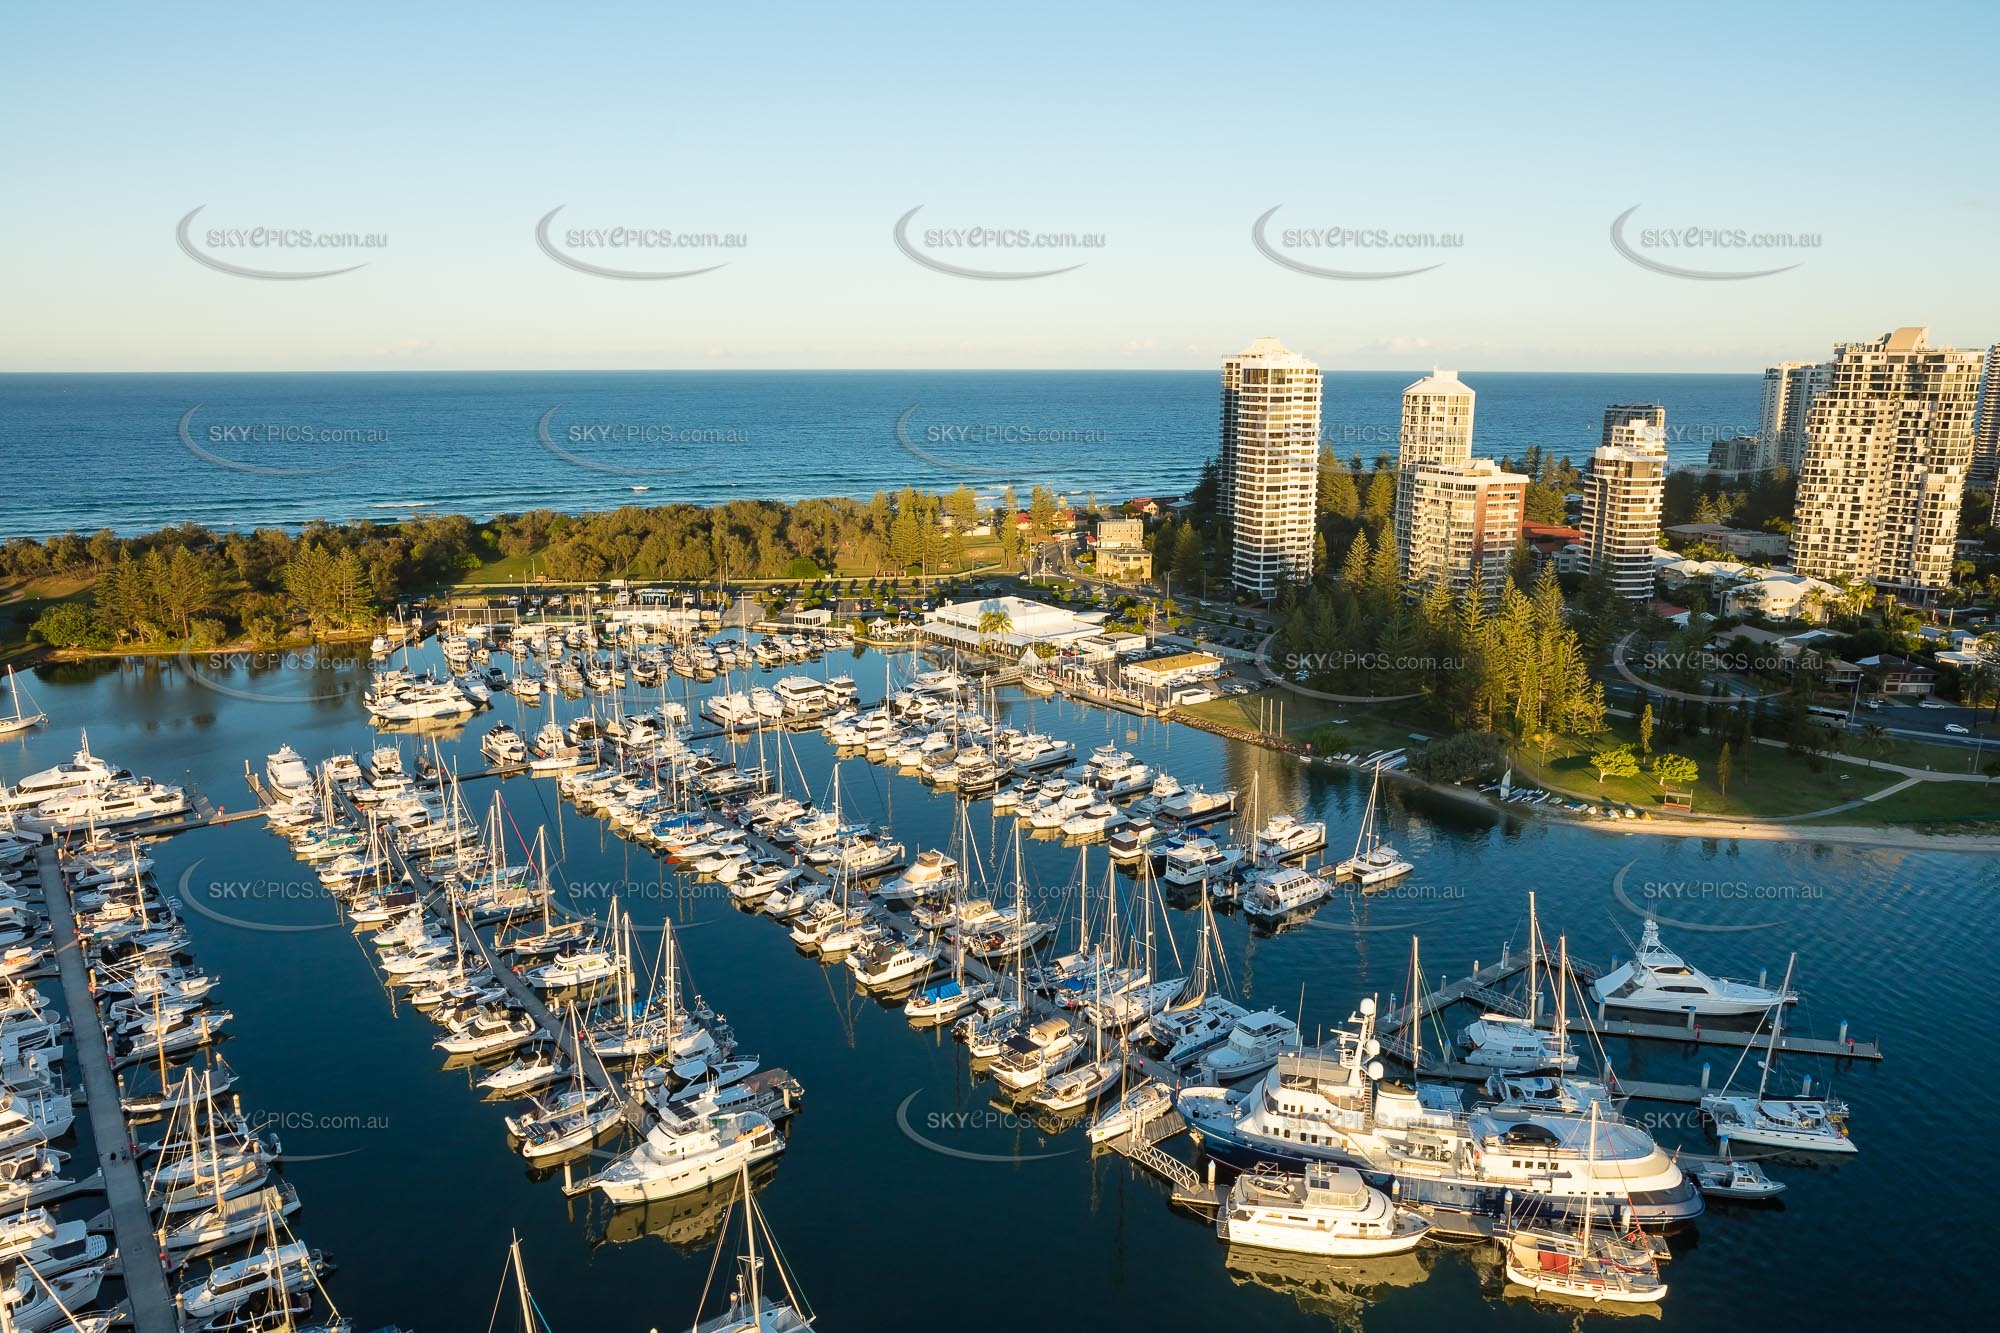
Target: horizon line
[{"x": 848, "y": 370}]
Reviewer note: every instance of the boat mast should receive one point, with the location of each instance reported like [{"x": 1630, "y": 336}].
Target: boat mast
[
  {"x": 521, "y": 1285},
  {"x": 1777, "y": 1022}
]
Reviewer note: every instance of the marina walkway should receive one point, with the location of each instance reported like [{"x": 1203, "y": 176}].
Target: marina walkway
[{"x": 152, "y": 1305}]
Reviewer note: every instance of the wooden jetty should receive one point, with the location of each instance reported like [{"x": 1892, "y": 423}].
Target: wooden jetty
[{"x": 151, "y": 1303}]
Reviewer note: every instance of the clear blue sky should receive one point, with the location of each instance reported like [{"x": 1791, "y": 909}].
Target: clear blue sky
[{"x": 809, "y": 129}]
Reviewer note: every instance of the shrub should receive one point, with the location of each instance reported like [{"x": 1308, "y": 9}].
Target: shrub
[{"x": 69, "y": 625}]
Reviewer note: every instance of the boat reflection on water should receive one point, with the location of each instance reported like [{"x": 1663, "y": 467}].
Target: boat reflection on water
[
  {"x": 1337, "y": 1289},
  {"x": 689, "y": 1223}
]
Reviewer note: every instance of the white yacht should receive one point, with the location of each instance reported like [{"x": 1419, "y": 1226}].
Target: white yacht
[
  {"x": 1285, "y": 836},
  {"x": 287, "y": 772},
  {"x": 1271, "y": 894},
  {"x": 1374, "y": 861},
  {"x": 132, "y": 801},
  {"x": 1252, "y": 1047},
  {"x": 1199, "y": 860},
  {"x": 688, "y": 1147},
  {"x": 1658, "y": 981},
  {"x": 1328, "y": 1210},
  {"x": 1193, "y": 804},
  {"x": 85, "y": 770},
  {"x": 1334, "y": 1106}
]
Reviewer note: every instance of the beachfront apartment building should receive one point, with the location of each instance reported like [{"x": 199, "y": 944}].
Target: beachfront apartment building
[
  {"x": 1464, "y": 522},
  {"x": 1622, "y": 496},
  {"x": 1436, "y": 431},
  {"x": 1985, "y": 469},
  {"x": 1888, "y": 442},
  {"x": 1790, "y": 389},
  {"x": 1269, "y": 470}
]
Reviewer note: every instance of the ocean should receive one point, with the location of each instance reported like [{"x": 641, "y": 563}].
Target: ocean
[{"x": 135, "y": 452}]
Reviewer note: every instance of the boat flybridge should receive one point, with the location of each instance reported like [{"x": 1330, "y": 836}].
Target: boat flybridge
[{"x": 1657, "y": 980}]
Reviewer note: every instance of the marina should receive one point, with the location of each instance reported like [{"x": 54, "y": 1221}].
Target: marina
[{"x": 1660, "y": 1064}]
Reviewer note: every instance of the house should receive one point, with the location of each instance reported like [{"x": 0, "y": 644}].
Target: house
[
  {"x": 1677, "y": 572},
  {"x": 1736, "y": 541},
  {"x": 1142, "y": 506},
  {"x": 1899, "y": 675},
  {"x": 1673, "y": 615},
  {"x": 1781, "y": 596},
  {"x": 1557, "y": 544}
]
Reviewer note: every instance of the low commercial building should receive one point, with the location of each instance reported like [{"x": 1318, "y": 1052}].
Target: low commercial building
[
  {"x": 1159, "y": 672},
  {"x": 1016, "y": 623}
]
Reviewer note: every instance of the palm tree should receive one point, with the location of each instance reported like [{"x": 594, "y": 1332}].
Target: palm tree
[{"x": 993, "y": 624}]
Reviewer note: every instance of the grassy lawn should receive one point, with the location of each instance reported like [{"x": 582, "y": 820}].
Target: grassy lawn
[
  {"x": 1359, "y": 728},
  {"x": 1765, "y": 781},
  {"x": 22, "y": 600},
  {"x": 1931, "y": 802}
]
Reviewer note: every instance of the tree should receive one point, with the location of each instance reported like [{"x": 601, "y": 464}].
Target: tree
[
  {"x": 1614, "y": 761},
  {"x": 1674, "y": 770},
  {"x": 1724, "y": 762},
  {"x": 1646, "y": 730},
  {"x": 992, "y": 625}
]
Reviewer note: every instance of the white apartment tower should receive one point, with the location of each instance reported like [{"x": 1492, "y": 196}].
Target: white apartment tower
[
  {"x": 1270, "y": 464},
  {"x": 1436, "y": 430},
  {"x": 1622, "y": 495},
  {"x": 1986, "y": 432},
  {"x": 1635, "y": 424},
  {"x": 1465, "y": 520},
  {"x": 1789, "y": 390},
  {"x": 1888, "y": 442}
]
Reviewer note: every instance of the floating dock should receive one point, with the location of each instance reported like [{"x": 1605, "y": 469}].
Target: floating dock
[{"x": 150, "y": 1301}]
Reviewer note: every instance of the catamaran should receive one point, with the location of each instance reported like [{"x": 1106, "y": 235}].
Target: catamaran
[
  {"x": 1374, "y": 861},
  {"x": 1813, "y": 1124}
]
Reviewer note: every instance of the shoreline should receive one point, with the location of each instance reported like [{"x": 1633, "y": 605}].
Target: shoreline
[{"x": 1652, "y": 825}]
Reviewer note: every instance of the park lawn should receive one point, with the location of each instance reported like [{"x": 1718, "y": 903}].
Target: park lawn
[
  {"x": 23, "y": 600},
  {"x": 1765, "y": 781},
  {"x": 1912, "y": 753},
  {"x": 1969, "y": 803},
  {"x": 1359, "y": 728}
]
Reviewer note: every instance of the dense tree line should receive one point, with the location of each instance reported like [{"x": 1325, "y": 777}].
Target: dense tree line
[{"x": 187, "y": 583}]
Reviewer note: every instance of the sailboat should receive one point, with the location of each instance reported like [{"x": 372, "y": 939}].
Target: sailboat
[
  {"x": 1590, "y": 1264},
  {"x": 1814, "y": 1124},
  {"x": 1514, "y": 1042},
  {"x": 1374, "y": 861},
  {"x": 22, "y": 720},
  {"x": 753, "y": 1307}
]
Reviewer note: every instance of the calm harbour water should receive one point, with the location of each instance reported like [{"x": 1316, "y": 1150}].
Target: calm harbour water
[
  {"x": 134, "y": 452},
  {"x": 416, "y": 1192}
]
